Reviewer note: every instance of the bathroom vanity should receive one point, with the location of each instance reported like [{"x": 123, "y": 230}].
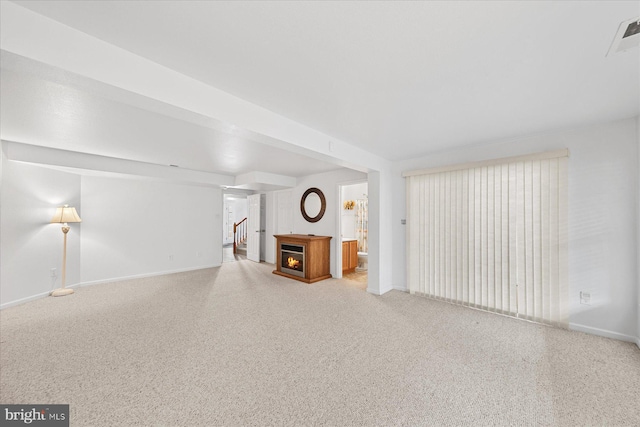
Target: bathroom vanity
[{"x": 349, "y": 255}]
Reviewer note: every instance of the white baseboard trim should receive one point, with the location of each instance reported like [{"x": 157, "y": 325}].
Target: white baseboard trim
[
  {"x": 142, "y": 276},
  {"x": 381, "y": 292},
  {"x": 34, "y": 297},
  {"x": 23, "y": 300},
  {"x": 603, "y": 333},
  {"x": 97, "y": 282},
  {"x": 400, "y": 288}
]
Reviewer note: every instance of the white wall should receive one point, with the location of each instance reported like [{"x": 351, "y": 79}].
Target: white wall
[
  {"x": 328, "y": 225},
  {"x": 240, "y": 209},
  {"x": 131, "y": 227},
  {"x": 381, "y": 232},
  {"x": 355, "y": 191},
  {"x": 136, "y": 228},
  {"x": 603, "y": 194},
  {"x": 29, "y": 244}
]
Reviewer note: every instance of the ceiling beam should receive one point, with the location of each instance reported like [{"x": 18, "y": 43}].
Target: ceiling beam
[{"x": 83, "y": 163}]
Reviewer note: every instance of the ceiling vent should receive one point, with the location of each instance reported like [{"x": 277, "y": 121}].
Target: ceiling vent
[{"x": 627, "y": 37}]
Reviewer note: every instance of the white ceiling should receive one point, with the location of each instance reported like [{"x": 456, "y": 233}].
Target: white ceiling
[{"x": 400, "y": 79}]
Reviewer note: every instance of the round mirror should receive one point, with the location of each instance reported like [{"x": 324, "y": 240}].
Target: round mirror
[{"x": 313, "y": 205}]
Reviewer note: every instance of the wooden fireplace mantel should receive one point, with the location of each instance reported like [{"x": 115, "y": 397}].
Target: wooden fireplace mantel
[{"x": 317, "y": 256}]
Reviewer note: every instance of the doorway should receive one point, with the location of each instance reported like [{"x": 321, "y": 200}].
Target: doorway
[
  {"x": 234, "y": 227},
  {"x": 354, "y": 230}
]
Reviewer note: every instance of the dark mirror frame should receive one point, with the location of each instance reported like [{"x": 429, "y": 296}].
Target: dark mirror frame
[{"x": 323, "y": 204}]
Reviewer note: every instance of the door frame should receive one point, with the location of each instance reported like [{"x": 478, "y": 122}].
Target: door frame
[
  {"x": 338, "y": 244},
  {"x": 251, "y": 231}
]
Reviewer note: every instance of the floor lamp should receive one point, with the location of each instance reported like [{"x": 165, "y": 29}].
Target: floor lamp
[{"x": 62, "y": 216}]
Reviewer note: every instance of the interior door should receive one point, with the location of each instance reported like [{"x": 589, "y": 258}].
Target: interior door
[
  {"x": 285, "y": 212},
  {"x": 253, "y": 228}
]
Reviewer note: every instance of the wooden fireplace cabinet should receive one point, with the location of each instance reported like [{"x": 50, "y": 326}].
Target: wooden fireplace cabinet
[{"x": 317, "y": 250}]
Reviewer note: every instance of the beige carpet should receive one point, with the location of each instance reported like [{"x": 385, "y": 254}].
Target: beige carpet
[{"x": 238, "y": 345}]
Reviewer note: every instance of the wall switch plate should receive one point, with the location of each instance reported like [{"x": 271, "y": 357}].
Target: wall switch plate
[
  {"x": 54, "y": 272},
  {"x": 585, "y": 298}
]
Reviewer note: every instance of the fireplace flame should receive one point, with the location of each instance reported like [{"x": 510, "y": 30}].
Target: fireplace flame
[{"x": 293, "y": 263}]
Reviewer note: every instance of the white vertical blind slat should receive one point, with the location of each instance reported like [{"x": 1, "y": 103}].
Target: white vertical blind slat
[
  {"x": 449, "y": 235},
  {"x": 497, "y": 230},
  {"x": 563, "y": 270},
  {"x": 441, "y": 237},
  {"x": 460, "y": 240},
  {"x": 465, "y": 236},
  {"x": 484, "y": 241},
  {"x": 491, "y": 240},
  {"x": 434, "y": 234},
  {"x": 554, "y": 300},
  {"x": 414, "y": 230},
  {"x": 478, "y": 239},
  {"x": 521, "y": 283},
  {"x": 536, "y": 206},
  {"x": 504, "y": 175},
  {"x": 422, "y": 250},
  {"x": 513, "y": 239},
  {"x": 545, "y": 238},
  {"x": 528, "y": 236},
  {"x": 471, "y": 248}
]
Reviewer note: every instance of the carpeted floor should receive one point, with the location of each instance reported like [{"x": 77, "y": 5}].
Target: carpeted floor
[
  {"x": 237, "y": 345},
  {"x": 229, "y": 256}
]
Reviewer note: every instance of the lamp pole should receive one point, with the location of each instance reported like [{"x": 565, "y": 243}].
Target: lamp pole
[
  {"x": 64, "y": 215},
  {"x": 62, "y": 291}
]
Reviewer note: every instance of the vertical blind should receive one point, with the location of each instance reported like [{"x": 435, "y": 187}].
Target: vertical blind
[{"x": 492, "y": 235}]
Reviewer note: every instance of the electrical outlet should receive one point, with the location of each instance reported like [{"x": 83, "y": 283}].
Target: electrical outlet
[
  {"x": 585, "y": 298},
  {"x": 54, "y": 273},
  {"x": 170, "y": 257},
  {"x": 198, "y": 254}
]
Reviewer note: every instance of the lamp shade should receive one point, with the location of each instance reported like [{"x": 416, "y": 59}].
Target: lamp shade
[{"x": 65, "y": 214}]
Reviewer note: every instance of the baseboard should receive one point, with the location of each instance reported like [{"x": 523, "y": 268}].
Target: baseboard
[
  {"x": 381, "y": 292},
  {"x": 400, "y": 288},
  {"x": 23, "y": 300},
  {"x": 603, "y": 333},
  {"x": 97, "y": 282},
  {"x": 142, "y": 276}
]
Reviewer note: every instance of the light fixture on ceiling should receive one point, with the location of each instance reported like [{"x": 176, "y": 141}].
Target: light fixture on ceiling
[
  {"x": 627, "y": 36},
  {"x": 63, "y": 216}
]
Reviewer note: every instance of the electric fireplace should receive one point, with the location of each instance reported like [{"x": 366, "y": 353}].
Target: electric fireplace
[
  {"x": 292, "y": 259},
  {"x": 303, "y": 257}
]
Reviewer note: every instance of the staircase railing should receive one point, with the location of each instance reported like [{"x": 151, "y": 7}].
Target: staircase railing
[{"x": 239, "y": 233}]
